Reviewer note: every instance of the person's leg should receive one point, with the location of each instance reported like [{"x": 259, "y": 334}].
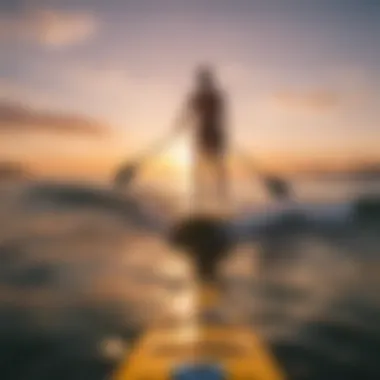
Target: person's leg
[
  {"x": 222, "y": 178},
  {"x": 200, "y": 189},
  {"x": 195, "y": 180},
  {"x": 221, "y": 170}
]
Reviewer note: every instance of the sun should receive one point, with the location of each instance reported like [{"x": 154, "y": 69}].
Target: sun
[
  {"x": 178, "y": 160},
  {"x": 179, "y": 155}
]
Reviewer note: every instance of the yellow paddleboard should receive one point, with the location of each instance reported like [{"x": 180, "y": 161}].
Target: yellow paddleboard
[{"x": 207, "y": 347}]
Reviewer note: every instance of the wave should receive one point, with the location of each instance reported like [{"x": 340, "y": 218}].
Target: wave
[{"x": 308, "y": 217}]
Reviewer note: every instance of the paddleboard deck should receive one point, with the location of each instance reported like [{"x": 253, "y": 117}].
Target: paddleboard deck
[{"x": 175, "y": 350}]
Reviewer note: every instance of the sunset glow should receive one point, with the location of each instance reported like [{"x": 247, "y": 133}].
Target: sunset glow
[{"x": 85, "y": 86}]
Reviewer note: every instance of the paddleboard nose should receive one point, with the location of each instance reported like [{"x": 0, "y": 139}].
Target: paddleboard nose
[{"x": 199, "y": 372}]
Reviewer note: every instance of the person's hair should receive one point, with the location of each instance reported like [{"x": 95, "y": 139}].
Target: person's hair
[{"x": 204, "y": 75}]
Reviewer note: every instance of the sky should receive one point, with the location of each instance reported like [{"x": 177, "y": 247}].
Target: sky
[{"x": 87, "y": 83}]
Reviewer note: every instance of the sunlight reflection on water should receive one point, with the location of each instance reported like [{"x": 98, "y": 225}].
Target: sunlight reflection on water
[{"x": 73, "y": 279}]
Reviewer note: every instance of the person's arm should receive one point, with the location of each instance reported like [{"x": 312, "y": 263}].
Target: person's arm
[{"x": 181, "y": 122}]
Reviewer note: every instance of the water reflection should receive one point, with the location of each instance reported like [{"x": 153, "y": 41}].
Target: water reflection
[{"x": 77, "y": 286}]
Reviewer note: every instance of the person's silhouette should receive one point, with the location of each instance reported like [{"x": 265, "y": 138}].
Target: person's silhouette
[{"x": 207, "y": 109}]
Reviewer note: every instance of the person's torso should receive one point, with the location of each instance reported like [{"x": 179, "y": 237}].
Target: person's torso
[{"x": 208, "y": 108}]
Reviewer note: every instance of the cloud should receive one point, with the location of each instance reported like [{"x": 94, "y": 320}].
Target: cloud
[
  {"x": 312, "y": 100},
  {"x": 13, "y": 91},
  {"x": 15, "y": 117},
  {"x": 47, "y": 27}
]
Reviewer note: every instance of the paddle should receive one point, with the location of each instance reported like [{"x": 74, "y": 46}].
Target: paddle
[
  {"x": 128, "y": 172},
  {"x": 276, "y": 186}
]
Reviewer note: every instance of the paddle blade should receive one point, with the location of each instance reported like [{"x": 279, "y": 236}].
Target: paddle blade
[
  {"x": 125, "y": 175},
  {"x": 277, "y": 187}
]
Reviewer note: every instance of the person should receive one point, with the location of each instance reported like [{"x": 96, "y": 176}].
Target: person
[{"x": 206, "y": 108}]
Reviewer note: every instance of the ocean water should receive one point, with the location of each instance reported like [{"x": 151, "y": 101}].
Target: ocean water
[{"x": 83, "y": 271}]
